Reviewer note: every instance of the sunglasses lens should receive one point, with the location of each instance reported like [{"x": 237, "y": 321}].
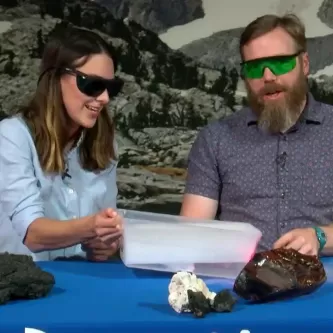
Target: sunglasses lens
[
  {"x": 114, "y": 87},
  {"x": 252, "y": 70},
  {"x": 277, "y": 65},
  {"x": 284, "y": 66},
  {"x": 94, "y": 87},
  {"x": 90, "y": 86}
]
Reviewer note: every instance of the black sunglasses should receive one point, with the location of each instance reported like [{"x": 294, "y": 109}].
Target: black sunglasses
[{"x": 93, "y": 86}]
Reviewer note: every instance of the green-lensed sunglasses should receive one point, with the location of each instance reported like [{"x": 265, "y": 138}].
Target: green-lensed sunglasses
[{"x": 278, "y": 65}]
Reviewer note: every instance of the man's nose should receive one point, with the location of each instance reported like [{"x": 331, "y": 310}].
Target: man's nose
[
  {"x": 268, "y": 75},
  {"x": 103, "y": 97}
]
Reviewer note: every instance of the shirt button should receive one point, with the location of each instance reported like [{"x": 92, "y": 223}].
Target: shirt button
[
  {"x": 283, "y": 195},
  {"x": 70, "y": 191},
  {"x": 282, "y": 225}
]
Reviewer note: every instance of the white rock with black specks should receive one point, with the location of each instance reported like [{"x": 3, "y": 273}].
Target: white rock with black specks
[{"x": 178, "y": 286}]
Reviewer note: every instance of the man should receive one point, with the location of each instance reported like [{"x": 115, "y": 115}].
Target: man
[{"x": 270, "y": 164}]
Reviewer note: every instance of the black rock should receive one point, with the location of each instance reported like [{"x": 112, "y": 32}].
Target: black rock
[
  {"x": 21, "y": 278},
  {"x": 198, "y": 304},
  {"x": 224, "y": 301},
  {"x": 277, "y": 274}
]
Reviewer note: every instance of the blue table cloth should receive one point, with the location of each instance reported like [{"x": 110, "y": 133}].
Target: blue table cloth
[{"x": 108, "y": 297}]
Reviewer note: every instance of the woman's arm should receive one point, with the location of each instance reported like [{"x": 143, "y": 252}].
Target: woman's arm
[
  {"x": 46, "y": 234},
  {"x": 20, "y": 197}
]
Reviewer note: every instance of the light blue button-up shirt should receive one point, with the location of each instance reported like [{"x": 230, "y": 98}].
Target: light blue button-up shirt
[{"x": 27, "y": 193}]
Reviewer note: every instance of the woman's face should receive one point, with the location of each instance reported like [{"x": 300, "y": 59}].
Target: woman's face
[{"x": 82, "y": 109}]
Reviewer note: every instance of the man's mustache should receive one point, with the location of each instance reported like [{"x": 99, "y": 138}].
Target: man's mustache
[{"x": 271, "y": 88}]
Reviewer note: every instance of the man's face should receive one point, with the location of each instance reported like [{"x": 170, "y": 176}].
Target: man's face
[{"x": 277, "y": 98}]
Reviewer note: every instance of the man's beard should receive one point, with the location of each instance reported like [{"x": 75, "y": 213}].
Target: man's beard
[{"x": 276, "y": 116}]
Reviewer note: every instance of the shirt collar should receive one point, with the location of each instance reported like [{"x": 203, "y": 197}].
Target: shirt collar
[
  {"x": 76, "y": 145},
  {"x": 310, "y": 115},
  {"x": 311, "y": 112}
]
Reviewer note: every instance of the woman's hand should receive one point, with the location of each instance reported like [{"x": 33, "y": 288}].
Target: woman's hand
[
  {"x": 106, "y": 225},
  {"x": 97, "y": 250}
]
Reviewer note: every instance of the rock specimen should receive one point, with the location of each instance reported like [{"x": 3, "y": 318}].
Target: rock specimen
[
  {"x": 188, "y": 293},
  {"x": 280, "y": 273},
  {"x": 223, "y": 301},
  {"x": 21, "y": 278},
  {"x": 198, "y": 304},
  {"x": 179, "y": 285}
]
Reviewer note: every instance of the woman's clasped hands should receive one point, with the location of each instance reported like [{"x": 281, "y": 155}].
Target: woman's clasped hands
[{"x": 107, "y": 226}]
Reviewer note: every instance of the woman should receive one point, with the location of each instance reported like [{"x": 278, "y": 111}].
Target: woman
[{"x": 57, "y": 158}]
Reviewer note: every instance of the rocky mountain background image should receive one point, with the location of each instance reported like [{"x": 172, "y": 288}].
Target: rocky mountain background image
[{"x": 168, "y": 94}]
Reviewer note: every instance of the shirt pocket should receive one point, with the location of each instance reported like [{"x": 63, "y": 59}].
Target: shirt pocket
[{"x": 313, "y": 182}]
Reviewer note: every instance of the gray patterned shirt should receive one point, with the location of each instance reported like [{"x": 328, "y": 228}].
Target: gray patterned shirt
[{"x": 275, "y": 182}]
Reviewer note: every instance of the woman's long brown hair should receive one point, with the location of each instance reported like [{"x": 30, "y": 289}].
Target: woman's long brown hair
[{"x": 45, "y": 113}]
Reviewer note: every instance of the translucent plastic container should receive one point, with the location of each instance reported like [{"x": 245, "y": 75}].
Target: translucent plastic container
[{"x": 172, "y": 243}]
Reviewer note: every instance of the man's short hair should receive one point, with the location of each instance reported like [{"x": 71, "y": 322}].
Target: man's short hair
[{"x": 266, "y": 23}]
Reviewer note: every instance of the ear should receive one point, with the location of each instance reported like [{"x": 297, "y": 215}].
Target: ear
[{"x": 305, "y": 63}]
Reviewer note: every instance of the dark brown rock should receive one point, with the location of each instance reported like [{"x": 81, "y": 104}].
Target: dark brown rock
[
  {"x": 224, "y": 301},
  {"x": 280, "y": 273},
  {"x": 198, "y": 303}
]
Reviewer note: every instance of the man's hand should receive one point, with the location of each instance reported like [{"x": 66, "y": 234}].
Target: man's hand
[
  {"x": 97, "y": 250},
  {"x": 303, "y": 240}
]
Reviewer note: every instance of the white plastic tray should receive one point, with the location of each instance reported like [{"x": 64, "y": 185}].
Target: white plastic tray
[{"x": 170, "y": 243}]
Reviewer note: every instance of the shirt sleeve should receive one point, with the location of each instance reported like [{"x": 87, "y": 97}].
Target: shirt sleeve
[
  {"x": 203, "y": 177},
  {"x": 20, "y": 197}
]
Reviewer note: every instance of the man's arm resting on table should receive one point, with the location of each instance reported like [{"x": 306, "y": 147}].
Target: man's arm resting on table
[
  {"x": 197, "y": 206},
  {"x": 46, "y": 234}
]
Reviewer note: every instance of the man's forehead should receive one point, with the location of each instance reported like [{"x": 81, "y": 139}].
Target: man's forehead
[
  {"x": 280, "y": 56},
  {"x": 274, "y": 43}
]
